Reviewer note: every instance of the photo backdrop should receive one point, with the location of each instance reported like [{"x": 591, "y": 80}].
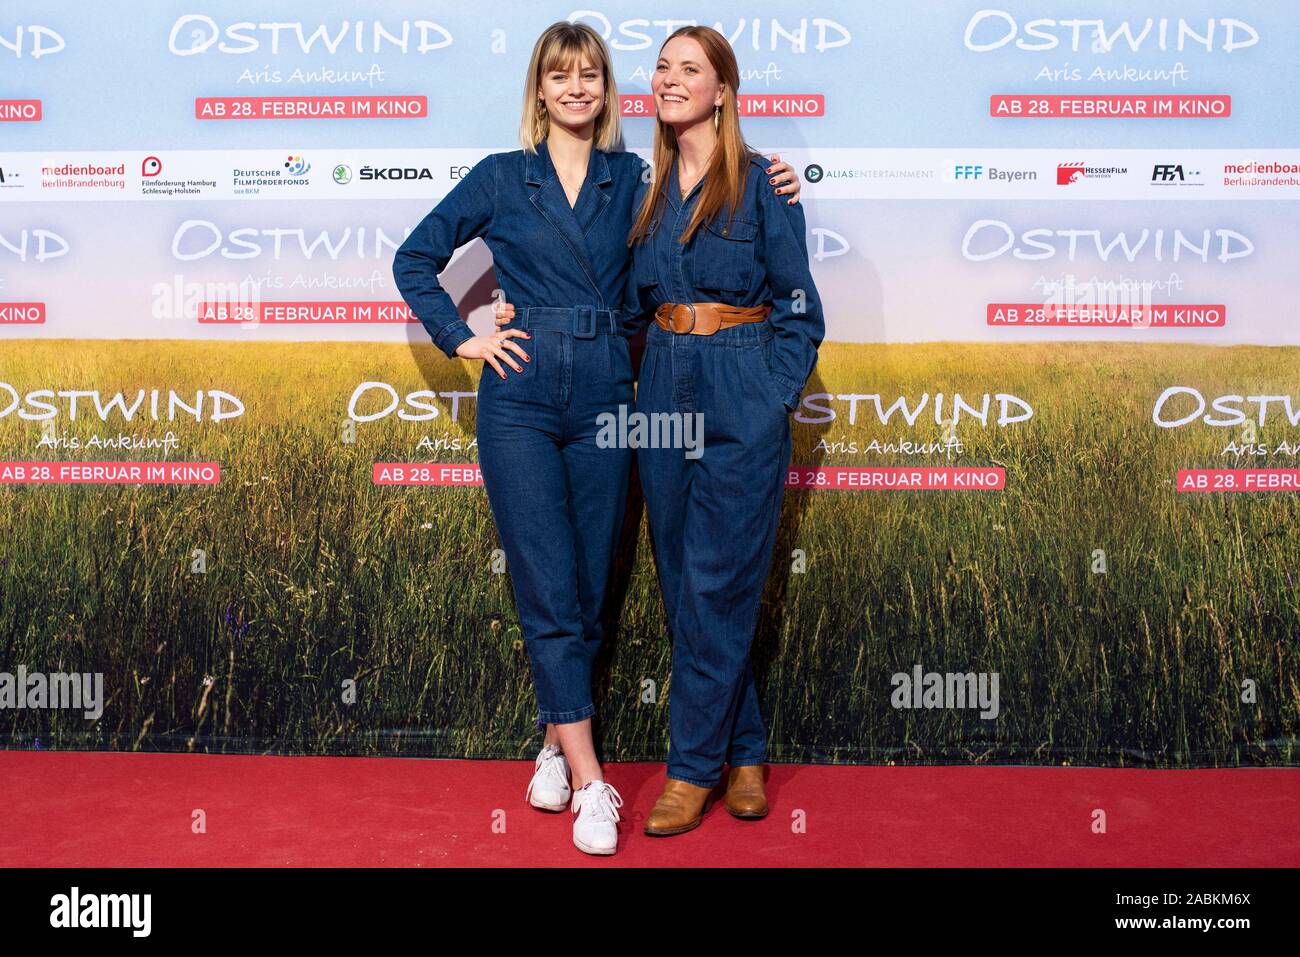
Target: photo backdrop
[{"x": 1042, "y": 506}]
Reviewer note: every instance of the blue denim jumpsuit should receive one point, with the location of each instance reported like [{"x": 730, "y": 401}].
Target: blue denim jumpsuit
[
  {"x": 557, "y": 497},
  {"x": 714, "y": 517}
]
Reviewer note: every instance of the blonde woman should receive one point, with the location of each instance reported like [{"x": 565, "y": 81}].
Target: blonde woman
[{"x": 555, "y": 216}]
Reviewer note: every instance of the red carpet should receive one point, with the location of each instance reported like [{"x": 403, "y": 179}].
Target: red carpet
[{"x": 103, "y": 809}]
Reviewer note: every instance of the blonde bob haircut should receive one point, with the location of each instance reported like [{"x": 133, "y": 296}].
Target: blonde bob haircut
[{"x": 560, "y": 46}]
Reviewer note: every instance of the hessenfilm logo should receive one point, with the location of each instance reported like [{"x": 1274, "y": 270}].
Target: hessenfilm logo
[
  {"x": 1077, "y": 172},
  {"x": 76, "y": 909},
  {"x": 37, "y": 690}
]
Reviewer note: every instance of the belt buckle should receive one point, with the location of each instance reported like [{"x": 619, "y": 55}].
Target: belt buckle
[
  {"x": 584, "y": 329},
  {"x": 672, "y": 317}
]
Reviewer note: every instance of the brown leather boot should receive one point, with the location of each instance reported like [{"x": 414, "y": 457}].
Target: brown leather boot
[
  {"x": 746, "y": 798},
  {"x": 679, "y": 809}
]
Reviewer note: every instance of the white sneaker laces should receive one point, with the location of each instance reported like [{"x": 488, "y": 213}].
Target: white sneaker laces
[
  {"x": 549, "y": 764},
  {"x": 600, "y": 800}
]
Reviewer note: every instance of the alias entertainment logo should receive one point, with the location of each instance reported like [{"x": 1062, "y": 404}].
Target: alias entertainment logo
[{"x": 816, "y": 173}]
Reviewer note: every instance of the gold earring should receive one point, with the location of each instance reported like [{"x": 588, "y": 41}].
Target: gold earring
[{"x": 715, "y": 116}]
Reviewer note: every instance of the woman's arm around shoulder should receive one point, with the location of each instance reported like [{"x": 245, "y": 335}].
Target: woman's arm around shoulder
[
  {"x": 796, "y": 304},
  {"x": 637, "y": 309}
]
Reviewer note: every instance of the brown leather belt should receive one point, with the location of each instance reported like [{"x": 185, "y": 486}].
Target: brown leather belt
[{"x": 706, "y": 318}]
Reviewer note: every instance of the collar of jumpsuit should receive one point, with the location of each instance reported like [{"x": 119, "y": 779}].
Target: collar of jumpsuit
[
  {"x": 539, "y": 170},
  {"x": 571, "y": 222},
  {"x": 674, "y": 190}
]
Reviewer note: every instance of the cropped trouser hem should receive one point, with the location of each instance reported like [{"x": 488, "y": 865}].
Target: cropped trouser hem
[
  {"x": 696, "y": 781},
  {"x": 565, "y": 717}
]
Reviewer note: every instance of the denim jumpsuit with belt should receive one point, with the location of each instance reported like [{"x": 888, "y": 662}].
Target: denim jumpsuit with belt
[
  {"x": 557, "y": 497},
  {"x": 713, "y": 517}
]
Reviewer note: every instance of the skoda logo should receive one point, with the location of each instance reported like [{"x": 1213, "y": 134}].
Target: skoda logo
[{"x": 342, "y": 174}]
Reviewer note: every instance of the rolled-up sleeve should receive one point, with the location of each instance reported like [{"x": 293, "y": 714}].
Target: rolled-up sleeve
[
  {"x": 797, "y": 316},
  {"x": 462, "y": 215}
]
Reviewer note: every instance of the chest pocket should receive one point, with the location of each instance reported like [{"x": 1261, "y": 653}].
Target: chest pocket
[{"x": 724, "y": 255}]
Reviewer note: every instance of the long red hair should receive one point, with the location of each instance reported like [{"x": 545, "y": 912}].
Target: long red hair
[{"x": 724, "y": 177}]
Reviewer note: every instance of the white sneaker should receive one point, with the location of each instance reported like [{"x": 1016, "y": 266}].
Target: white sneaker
[
  {"x": 549, "y": 789},
  {"x": 595, "y": 829}
]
